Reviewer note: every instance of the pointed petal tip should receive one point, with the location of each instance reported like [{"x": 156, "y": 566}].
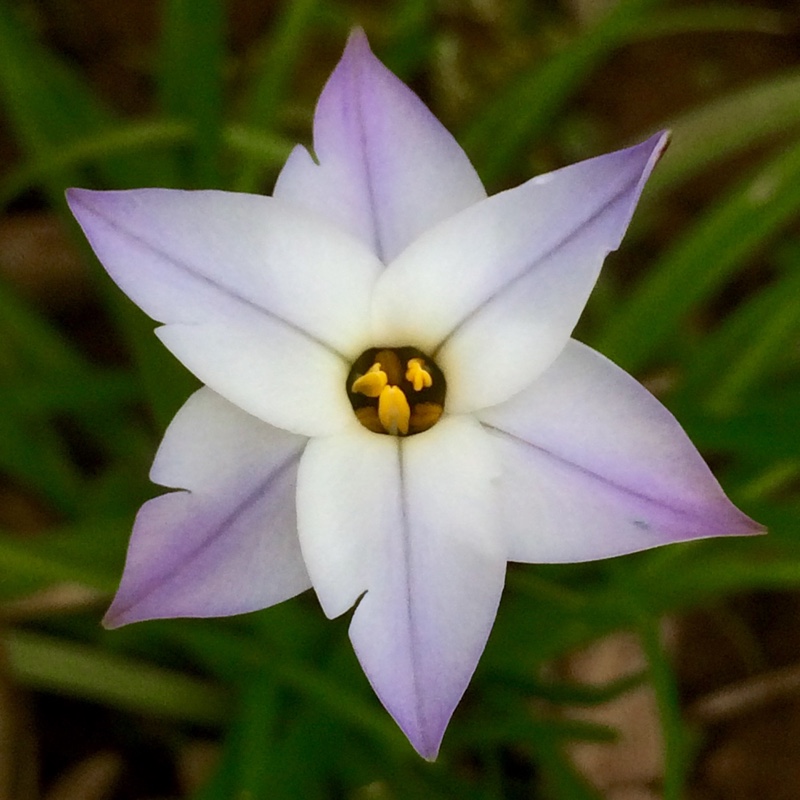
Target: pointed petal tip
[
  {"x": 749, "y": 527},
  {"x": 645, "y": 155},
  {"x": 357, "y": 51},
  {"x": 357, "y": 40},
  {"x": 76, "y": 198},
  {"x": 664, "y": 140},
  {"x": 116, "y": 618},
  {"x": 126, "y": 609},
  {"x": 724, "y": 518},
  {"x": 108, "y": 623},
  {"x": 426, "y": 740},
  {"x": 383, "y": 167},
  {"x": 429, "y": 751},
  {"x": 655, "y": 146},
  {"x": 660, "y": 142},
  {"x": 86, "y": 204}
]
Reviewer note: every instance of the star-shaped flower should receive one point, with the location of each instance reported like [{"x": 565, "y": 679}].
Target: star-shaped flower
[{"x": 393, "y": 405}]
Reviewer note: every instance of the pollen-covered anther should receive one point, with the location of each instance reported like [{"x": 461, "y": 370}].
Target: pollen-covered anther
[
  {"x": 417, "y": 375},
  {"x": 398, "y": 391},
  {"x": 372, "y": 383},
  {"x": 394, "y": 412}
]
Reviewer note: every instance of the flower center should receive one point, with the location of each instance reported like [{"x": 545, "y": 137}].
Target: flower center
[{"x": 397, "y": 390}]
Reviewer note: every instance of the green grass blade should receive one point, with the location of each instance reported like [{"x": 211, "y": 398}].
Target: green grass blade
[
  {"x": 90, "y": 553},
  {"x": 712, "y": 18},
  {"x": 703, "y": 260},
  {"x": 34, "y": 339},
  {"x": 270, "y": 85},
  {"x": 222, "y": 652},
  {"x": 754, "y": 342},
  {"x": 34, "y": 455},
  {"x": 49, "y": 664},
  {"x": 413, "y": 34},
  {"x": 191, "y": 81},
  {"x": 726, "y": 126},
  {"x": 262, "y": 150},
  {"x": 94, "y": 149},
  {"x": 50, "y": 107},
  {"x": 508, "y": 126},
  {"x": 662, "y": 679}
]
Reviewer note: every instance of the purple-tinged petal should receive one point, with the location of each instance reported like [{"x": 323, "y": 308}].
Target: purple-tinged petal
[
  {"x": 411, "y": 524},
  {"x": 229, "y": 543},
  {"x": 264, "y": 302},
  {"x": 388, "y": 169},
  {"x": 594, "y": 466},
  {"x": 494, "y": 293}
]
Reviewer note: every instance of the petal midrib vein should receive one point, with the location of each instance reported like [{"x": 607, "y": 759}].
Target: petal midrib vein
[
  {"x": 504, "y": 287},
  {"x": 588, "y": 472},
  {"x": 214, "y": 531},
  {"x": 227, "y": 290},
  {"x": 419, "y": 711}
]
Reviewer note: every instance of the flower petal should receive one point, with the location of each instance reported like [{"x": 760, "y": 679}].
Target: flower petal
[
  {"x": 268, "y": 303},
  {"x": 494, "y": 293},
  {"x": 388, "y": 169},
  {"x": 594, "y": 466},
  {"x": 411, "y": 524},
  {"x": 229, "y": 544}
]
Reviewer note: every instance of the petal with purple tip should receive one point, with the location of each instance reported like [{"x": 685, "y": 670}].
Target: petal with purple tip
[
  {"x": 411, "y": 524},
  {"x": 388, "y": 169},
  {"x": 494, "y": 293},
  {"x": 594, "y": 466},
  {"x": 264, "y": 302},
  {"x": 229, "y": 543}
]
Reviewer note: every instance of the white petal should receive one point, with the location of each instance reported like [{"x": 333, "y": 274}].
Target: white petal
[
  {"x": 267, "y": 370},
  {"x": 227, "y": 545},
  {"x": 594, "y": 466},
  {"x": 261, "y": 294},
  {"x": 346, "y": 498},
  {"x": 388, "y": 169},
  {"x": 413, "y": 523},
  {"x": 493, "y": 293}
]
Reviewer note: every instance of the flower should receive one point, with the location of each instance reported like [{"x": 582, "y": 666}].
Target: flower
[{"x": 393, "y": 407}]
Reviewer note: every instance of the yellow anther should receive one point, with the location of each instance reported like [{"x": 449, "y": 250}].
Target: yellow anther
[
  {"x": 393, "y": 410},
  {"x": 417, "y": 375},
  {"x": 372, "y": 383}
]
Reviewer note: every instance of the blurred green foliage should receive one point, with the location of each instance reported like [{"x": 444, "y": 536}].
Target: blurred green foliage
[{"x": 702, "y": 300}]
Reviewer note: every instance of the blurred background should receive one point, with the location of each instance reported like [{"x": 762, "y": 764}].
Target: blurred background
[{"x": 668, "y": 674}]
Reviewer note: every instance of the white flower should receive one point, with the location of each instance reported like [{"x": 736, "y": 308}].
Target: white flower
[{"x": 481, "y": 433}]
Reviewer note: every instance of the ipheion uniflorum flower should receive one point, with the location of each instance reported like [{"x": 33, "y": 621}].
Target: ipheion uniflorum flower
[{"x": 393, "y": 407}]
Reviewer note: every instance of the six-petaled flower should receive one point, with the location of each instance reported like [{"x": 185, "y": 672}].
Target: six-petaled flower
[{"x": 393, "y": 405}]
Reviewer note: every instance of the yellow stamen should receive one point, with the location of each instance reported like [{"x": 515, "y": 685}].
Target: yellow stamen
[
  {"x": 417, "y": 375},
  {"x": 372, "y": 383},
  {"x": 393, "y": 410},
  {"x": 424, "y": 416}
]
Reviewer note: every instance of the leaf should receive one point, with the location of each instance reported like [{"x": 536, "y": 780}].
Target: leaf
[
  {"x": 751, "y": 344},
  {"x": 702, "y": 260},
  {"x": 191, "y": 82},
  {"x": 271, "y": 83},
  {"x": 725, "y": 126},
  {"x": 521, "y": 113},
  {"x": 95, "y": 149},
  {"x": 712, "y": 18},
  {"x": 50, "y": 664}
]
